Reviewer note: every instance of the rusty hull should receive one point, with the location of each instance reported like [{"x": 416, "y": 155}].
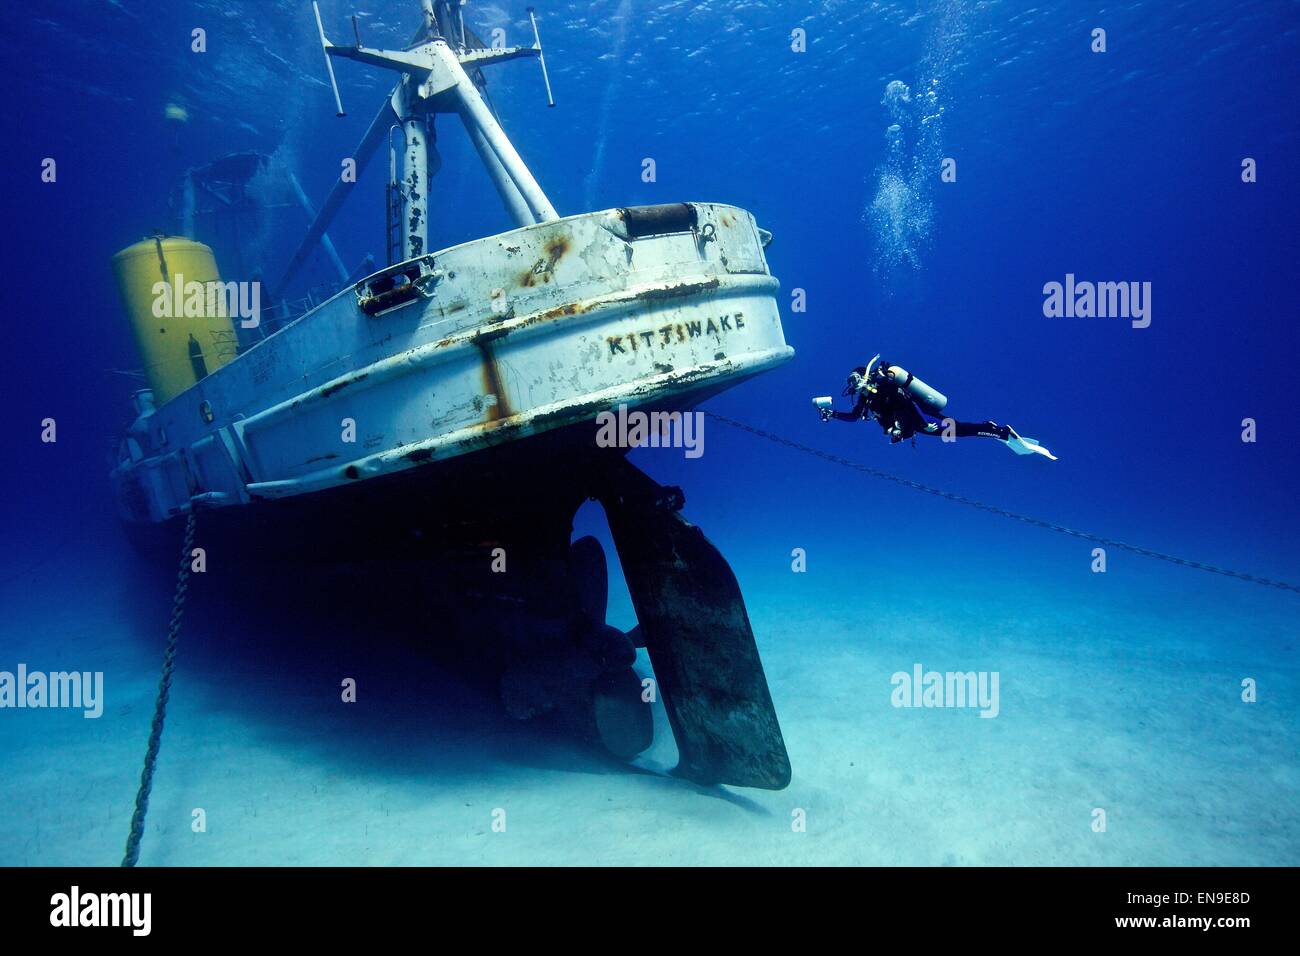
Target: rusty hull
[{"x": 495, "y": 340}]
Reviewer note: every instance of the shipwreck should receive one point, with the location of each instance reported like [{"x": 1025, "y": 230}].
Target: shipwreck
[{"x": 442, "y": 410}]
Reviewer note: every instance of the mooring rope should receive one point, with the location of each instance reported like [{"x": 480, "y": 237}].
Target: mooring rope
[
  {"x": 994, "y": 509},
  {"x": 164, "y": 691}
]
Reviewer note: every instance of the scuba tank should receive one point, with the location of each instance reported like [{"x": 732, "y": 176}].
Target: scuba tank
[{"x": 930, "y": 400}]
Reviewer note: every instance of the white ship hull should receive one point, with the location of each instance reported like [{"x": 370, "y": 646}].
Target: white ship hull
[{"x": 495, "y": 340}]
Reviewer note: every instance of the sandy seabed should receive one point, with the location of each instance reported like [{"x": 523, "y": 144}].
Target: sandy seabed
[{"x": 1111, "y": 699}]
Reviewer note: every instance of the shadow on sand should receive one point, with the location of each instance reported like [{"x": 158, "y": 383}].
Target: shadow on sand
[{"x": 272, "y": 657}]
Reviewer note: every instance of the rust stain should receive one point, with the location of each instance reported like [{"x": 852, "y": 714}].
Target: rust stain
[
  {"x": 572, "y": 308},
  {"x": 555, "y": 249},
  {"x": 492, "y": 382},
  {"x": 682, "y": 288},
  {"x": 327, "y": 392}
]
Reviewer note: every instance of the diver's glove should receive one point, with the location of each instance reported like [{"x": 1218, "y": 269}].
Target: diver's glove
[{"x": 825, "y": 414}]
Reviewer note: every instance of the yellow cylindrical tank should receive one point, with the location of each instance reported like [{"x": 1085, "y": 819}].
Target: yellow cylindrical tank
[{"x": 178, "y": 310}]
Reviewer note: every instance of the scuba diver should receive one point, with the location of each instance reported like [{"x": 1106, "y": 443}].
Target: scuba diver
[{"x": 905, "y": 407}]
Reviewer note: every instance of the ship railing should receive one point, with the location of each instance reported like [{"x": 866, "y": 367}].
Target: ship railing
[{"x": 287, "y": 311}]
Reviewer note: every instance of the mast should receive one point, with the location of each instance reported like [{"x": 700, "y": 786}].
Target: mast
[{"x": 434, "y": 77}]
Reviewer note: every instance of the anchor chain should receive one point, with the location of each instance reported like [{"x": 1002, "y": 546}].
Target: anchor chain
[
  {"x": 994, "y": 509},
  {"x": 164, "y": 691}
]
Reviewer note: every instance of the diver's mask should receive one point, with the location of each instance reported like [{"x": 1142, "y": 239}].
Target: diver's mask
[
  {"x": 859, "y": 384},
  {"x": 861, "y": 378}
]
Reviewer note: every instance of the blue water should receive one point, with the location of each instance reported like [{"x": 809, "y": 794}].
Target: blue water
[{"x": 1121, "y": 690}]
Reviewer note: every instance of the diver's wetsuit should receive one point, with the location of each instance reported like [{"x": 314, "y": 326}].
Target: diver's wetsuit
[{"x": 893, "y": 408}]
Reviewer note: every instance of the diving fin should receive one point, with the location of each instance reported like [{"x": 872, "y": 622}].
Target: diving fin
[{"x": 1026, "y": 446}]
